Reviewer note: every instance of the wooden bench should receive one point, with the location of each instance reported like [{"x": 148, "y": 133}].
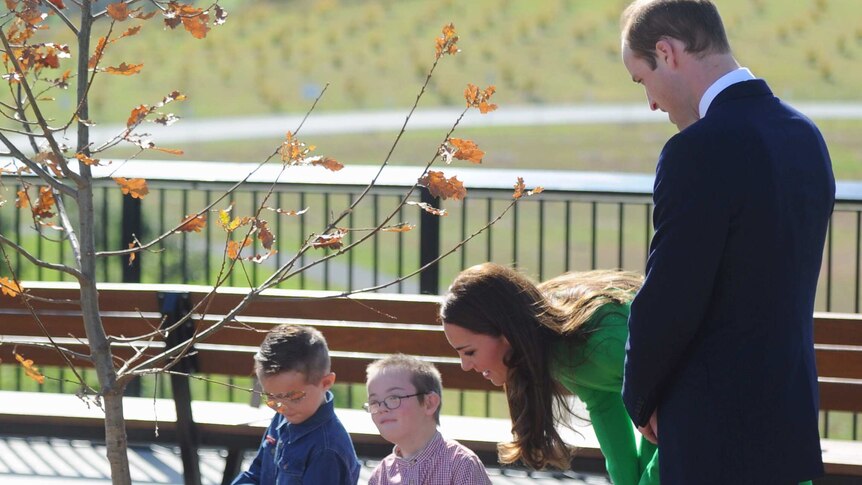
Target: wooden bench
[{"x": 358, "y": 330}]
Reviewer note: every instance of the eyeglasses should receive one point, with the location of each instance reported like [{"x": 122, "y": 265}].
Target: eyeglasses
[
  {"x": 278, "y": 401},
  {"x": 389, "y": 402}
]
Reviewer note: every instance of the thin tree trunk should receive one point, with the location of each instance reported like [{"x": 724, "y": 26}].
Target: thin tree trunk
[{"x": 100, "y": 350}]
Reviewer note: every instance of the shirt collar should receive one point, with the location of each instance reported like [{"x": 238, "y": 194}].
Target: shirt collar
[
  {"x": 733, "y": 77},
  {"x": 429, "y": 451},
  {"x": 323, "y": 414}
]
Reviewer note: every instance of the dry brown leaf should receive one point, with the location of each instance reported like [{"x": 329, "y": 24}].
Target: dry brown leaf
[{"x": 137, "y": 188}]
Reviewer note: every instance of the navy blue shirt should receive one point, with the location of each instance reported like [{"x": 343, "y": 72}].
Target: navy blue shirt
[{"x": 317, "y": 451}]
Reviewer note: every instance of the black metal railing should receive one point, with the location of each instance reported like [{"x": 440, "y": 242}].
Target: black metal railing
[{"x": 581, "y": 221}]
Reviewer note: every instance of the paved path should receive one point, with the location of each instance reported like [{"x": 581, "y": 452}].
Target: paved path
[
  {"x": 38, "y": 461},
  {"x": 268, "y": 127}
]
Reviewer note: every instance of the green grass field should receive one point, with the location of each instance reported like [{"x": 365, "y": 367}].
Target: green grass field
[{"x": 274, "y": 58}]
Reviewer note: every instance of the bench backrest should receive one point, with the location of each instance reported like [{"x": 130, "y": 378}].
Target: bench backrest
[{"x": 358, "y": 330}]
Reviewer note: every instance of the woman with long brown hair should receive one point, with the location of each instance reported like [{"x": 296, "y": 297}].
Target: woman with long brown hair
[{"x": 542, "y": 342}]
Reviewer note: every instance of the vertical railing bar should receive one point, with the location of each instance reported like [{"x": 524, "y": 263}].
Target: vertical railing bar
[
  {"x": 829, "y": 266},
  {"x": 488, "y": 240},
  {"x": 541, "y": 239},
  {"x": 302, "y": 237},
  {"x": 375, "y": 241},
  {"x": 856, "y": 293},
  {"x": 162, "y": 254},
  {"x": 184, "y": 241},
  {"x": 400, "y": 252},
  {"x": 515, "y": 213},
  {"x": 208, "y": 242},
  {"x": 278, "y": 218},
  {"x": 594, "y": 234},
  {"x": 568, "y": 246},
  {"x": 19, "y": 270},
  {"x": 350, "y": 253},
  {"x": 105, "y": 242},
  {"x": 621, "y": 239},
  {"x": 326, "y": 218},
  {"x": 254, "y": 210},
  {"x": 463, "y": 255}
]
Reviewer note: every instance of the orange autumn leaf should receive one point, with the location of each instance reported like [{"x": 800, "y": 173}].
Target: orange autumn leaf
[
  {"x": 129, "y": 32},
  {"x": 266, "y": 237},
  {"x": 118, "y": 11},
  {"x": 87, "y": 160},
  {"x": 401, "y": 227},
  {"x": 30, "y": 370},
  {"x": 234, "y": 248},
  {"x": 440, "y": 186},
  {"x": 327, "y": 163},
  {"x": 132, "y": 256},
  {"x": 138, "y": 114},
  {"x": 137, "y": 188},
  {"x": 519, "y": 188},
  {"x": 193, "y": 19},
  {"x": 467, "y": 150},
  {"x": 446, "y": 44},
  {"x": 172, "y": 151},
  {"x": 193, "y": 223},
  {"x": 477, "y": 98},
  {"x": 46, "y": 201},
  {"x": 58, "y": 3},
  {"x": 429, "y": 208},
  {"x": 125, "y": 69},
  {"x": 98, "y": 52},
  {"x": 23, "y": 200},
  {"x": 333, "y": 240},
  {"x": 10, "y": 287}
]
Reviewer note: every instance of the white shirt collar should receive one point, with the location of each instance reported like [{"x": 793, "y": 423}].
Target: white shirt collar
[{"x": 733, "y": 77}]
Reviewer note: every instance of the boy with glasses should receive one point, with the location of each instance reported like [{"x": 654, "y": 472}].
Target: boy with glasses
[
  {"x": 404, "y": 398},
  {"x": 305, "y": 443}
]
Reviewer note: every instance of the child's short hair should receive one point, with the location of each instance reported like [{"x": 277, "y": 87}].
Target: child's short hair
[
  {"x": 293, "y": 348},
  {"x": 423, "y": 375}
]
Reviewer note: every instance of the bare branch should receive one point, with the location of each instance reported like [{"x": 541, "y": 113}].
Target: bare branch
[
  {"x": 38, "y": 262},
  {"x": 50, "y": 180},
  {"x": 49, "y": 134},
  {"x": 63, "y": 17}
]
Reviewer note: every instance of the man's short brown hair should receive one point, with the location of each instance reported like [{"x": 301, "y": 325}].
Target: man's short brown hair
[{"x": 293, "y": 348}]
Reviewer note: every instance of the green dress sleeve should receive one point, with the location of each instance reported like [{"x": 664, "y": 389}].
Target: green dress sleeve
[{"x": 593, "y": 370}]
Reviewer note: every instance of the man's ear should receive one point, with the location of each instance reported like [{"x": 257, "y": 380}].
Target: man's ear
[
  {"x": 431, "y": 403},
  {"x": 666, "y": 52},
  {"x": 327, "y": 381}
]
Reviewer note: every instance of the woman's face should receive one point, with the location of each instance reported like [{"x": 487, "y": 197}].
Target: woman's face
[{"x": 482, "y": 353}]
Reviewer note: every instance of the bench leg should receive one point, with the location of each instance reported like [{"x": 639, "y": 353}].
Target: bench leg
[{"x": 232, "y": 465}]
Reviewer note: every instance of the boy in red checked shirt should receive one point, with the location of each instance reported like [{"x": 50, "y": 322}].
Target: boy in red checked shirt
[{"x": 404, "y": 402}]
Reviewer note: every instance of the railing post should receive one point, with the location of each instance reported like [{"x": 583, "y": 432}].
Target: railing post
[
  {"x": 173, "y": 307},
  {"x": 429, "y": 245},
  {"x": 132, "y": 227}
]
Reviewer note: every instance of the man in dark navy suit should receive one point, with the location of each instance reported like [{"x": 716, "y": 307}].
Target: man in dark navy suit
[{"x": 720, "y": 364}]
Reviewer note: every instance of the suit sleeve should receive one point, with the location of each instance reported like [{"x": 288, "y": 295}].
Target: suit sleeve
[{"x": 691, "y": 219}]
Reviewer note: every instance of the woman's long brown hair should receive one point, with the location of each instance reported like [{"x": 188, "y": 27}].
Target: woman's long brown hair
[{"x": 494, "y": 300}]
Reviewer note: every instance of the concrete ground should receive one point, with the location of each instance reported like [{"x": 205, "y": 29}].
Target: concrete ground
[{"x": 39, "y": 461}]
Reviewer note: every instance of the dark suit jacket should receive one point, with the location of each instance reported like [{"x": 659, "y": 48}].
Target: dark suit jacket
[{"x": 721, "y": 332}]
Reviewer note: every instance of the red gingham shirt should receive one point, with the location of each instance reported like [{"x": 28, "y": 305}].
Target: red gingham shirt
[{"x": 442, "y": 462}]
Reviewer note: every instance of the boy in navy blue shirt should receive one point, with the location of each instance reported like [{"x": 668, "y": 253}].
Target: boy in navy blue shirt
[{"x": 305, "y": 443}]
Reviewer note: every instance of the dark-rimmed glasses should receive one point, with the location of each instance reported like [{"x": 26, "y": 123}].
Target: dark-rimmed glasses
[{"x": 389, "y": 402}]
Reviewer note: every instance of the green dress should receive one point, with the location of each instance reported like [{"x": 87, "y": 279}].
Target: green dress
[{"x": 594, "y": 372}]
